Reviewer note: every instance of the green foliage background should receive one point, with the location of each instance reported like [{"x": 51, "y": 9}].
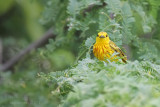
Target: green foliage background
[{"x": 64, "y": 72}]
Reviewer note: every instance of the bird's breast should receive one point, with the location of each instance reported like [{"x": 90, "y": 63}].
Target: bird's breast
[{"x": 102, "y": 50}]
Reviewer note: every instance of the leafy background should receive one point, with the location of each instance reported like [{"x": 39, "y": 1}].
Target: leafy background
[{"x": 64, "y": 72}]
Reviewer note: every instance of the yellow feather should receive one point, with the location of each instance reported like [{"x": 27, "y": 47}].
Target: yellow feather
[{"x": 104, "y": 48}]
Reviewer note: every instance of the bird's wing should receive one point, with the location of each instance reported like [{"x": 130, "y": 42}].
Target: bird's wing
[{"x": 117, "y": 49}]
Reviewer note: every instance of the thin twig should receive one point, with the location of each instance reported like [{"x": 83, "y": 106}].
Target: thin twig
[{"x": 8, "y": 65}]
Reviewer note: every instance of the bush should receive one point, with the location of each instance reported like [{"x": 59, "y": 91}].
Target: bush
[{"x": 65, "y": 72}]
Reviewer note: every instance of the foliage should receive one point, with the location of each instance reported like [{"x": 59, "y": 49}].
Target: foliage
[
  {"x": 24, "y": 89},
  {"x": 49, "y": 77},
  {"x": 99, "y": 84},
  {"x": 126, "y": 22}
]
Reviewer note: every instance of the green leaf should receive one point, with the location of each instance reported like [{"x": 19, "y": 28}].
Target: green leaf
[
  {"x": 73, "y": 7},
  {"x": 89, "y": 42}
]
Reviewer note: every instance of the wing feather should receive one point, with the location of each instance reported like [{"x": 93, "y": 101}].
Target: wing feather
[{"x": 117, "y": 49}]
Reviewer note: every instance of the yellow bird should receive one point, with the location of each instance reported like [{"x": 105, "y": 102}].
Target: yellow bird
[{"x": 104, "y": 48}]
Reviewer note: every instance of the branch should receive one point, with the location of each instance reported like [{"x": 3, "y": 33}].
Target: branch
[
  {"x": 8, "y": 65},
  {"x": 90, "y": 7},
  {"x": 1, "y": 52}
]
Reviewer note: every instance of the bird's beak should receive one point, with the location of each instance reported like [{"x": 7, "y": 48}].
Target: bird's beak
[{"x": 102, "y": 36}]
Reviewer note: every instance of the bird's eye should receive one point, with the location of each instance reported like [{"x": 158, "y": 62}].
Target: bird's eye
[
  {"x": 97, "y": 35},
  {"x": 106, "y": 35}
]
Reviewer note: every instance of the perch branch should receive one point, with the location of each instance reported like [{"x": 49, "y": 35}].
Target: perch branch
[{"x": 8, "y": 65}]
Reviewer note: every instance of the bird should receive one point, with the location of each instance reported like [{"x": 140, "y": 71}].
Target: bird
[{"x": 104, "y": 48}]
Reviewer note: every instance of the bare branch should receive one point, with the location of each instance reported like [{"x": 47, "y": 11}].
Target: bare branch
[
  {"x": 31, "y": 47},
  {"x": 1, "y": 52}
]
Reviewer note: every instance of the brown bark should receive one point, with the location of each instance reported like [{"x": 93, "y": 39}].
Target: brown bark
[{"x": 8, "y": 65}]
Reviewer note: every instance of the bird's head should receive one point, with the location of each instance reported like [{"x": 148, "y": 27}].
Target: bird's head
[{"x": 102, "y": 37}]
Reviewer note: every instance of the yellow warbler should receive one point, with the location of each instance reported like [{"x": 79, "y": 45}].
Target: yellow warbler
[{"x": 104, "y": 48}]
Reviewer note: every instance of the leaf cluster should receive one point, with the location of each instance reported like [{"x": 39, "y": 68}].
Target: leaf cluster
[{"x": 95, "y": 83}]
